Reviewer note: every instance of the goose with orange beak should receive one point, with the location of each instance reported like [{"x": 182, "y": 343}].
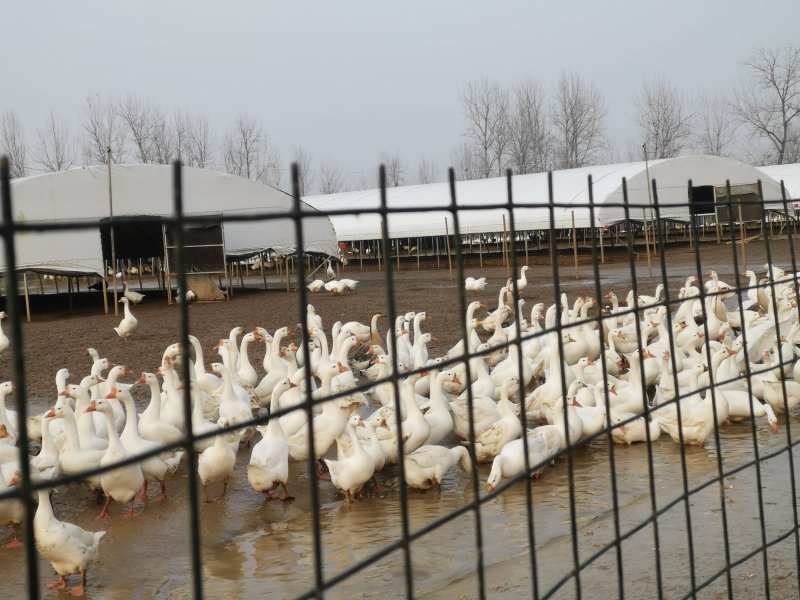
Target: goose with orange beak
[{"x": 123, "y": 483}]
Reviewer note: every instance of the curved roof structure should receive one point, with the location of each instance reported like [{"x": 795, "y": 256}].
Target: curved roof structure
[
  {"x": 530, "y": 193},
  {"x": 146, "y": 190},
  {"x": 789, "y": 174}
]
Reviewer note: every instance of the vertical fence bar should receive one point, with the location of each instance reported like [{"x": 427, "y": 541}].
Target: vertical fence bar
[
  {"x": 18, "y": 377},
  {"x": 708, "y": 306},
  {"x": 521, "y": 393},
  {"x": 607, "y": 399},
  {"x": 562, "y": 373},
  {"x": 462, "y": 300},
  {"x": 787, "y": 420},
  {"x": 191, "y": 453},
  {"x": 793, "y": 256},
  {"x": 302, "y": 298},
  {"x": 753, "y": 432},
  {"x": 405, "y": 531},
  {"x": 646, "y": 407}
]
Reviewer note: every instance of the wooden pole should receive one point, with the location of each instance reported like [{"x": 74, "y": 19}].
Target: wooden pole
[
  {"x": 69, "y": 291},
  {"x": 480, "y": 249},
  {"x": 526, "y": 248},
  {"x": 361, "y": 255},
  {"x": 647, "y": 241},
  {"x": 27, "y": 298},
  {"x": 505, "y": 249},
  {"x": 741, "y": 235},
  {"x": 602, "y": 247},
  {"x": 263, "y": 272},
  {"x": 447, "y": 242},
  {"x": 397, "y": 247},
  {"x": 111, "y": 228},
  {"x": 575, "y": 245},
  {"x": 418, "y": 245},
  {"x": 105, "y": 294}
]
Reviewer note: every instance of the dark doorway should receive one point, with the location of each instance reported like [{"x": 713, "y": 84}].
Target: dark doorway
[{"x": 701, "y": 200}]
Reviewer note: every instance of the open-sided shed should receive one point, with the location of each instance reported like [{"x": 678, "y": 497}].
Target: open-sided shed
[
  {"x": 708, "y": 175},
  {"x": 146, "y": 190}
]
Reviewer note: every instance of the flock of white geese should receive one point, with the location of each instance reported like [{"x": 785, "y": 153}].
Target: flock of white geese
[{"x": 524, "y": 366}]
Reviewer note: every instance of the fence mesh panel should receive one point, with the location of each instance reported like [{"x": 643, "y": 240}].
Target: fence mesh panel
[{"x": 658, "y": 451}]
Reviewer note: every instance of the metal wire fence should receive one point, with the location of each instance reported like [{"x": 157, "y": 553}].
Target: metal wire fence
[{"x": 672, "y": 548}]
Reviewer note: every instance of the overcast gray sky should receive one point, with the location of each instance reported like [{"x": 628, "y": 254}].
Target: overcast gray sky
[{"x": 350, "y": 80}]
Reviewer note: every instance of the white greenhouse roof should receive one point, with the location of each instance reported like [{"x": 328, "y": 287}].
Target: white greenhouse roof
[
  {"x": 789, "y": 174},
  {"x": 530, "y": 195},
  {"x": 146, "y": 190}
]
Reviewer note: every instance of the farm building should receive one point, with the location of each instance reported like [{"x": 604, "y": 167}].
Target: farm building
[
  {"x": 702, "y": 204},
  {"x": 789, "y": 175},
  {"x": 144, "y": 190}
]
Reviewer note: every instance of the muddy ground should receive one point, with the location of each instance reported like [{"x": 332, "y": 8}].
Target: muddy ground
[{"x": 252, "y": 547}]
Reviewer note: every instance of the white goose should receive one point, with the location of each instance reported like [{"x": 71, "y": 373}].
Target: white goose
[
  {"x": 426, "y": 466},
  {"x": 350, "y": 473},
  {"x": 128, "y": 324},
  {"x": 490, "y": 442},
  {"x": 157, "y": 467},
  {"x": 123, "y": 483},
  {"x": 216, "y": 463},
  {"x": 269, "y": 462},
  {"x": 511, "y": 460},
  {"x": 69, "y": 548},
  {"x": 151, "y": 426},
  {"x": 471, "y": 284}
]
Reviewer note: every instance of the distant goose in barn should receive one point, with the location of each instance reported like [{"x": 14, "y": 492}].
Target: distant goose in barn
[
  {"x": 330, "y": 272},
  {"x": 4, "y": 341},
  {"x": 134, "y": 297},
  {"x": 475, "y": 285},
  {"x": 316, "y": 285},
  {"x": 128, "y": 324}
]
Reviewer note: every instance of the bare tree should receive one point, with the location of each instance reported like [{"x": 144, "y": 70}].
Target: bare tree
[
  {"x": 427, "y": 171},
  {"x": 463, "y": 161},
  {"x": 102, "y": 128},
  {"x": 486, "y": 112},
  {"x": 529, "y": 141},
  {"x": 247, "y": 153},
  {"x": 578, "y": 117},
  {"x": 200, "y": 143},
  {"x": 769, "y": 104},
  {"x": 140, "y": 118},
  {"x": 716, "y": 130},
  {"x": 180, "y": 131},
  {"x": 305, "y": 176},
  {"x": 12, "y": 144},
  {"x": 54, "y": 149},
  {"x": 664, "y": 119},
  {"x": 162, "y": 140},
  {"x": 395, "y": 169},
  {"x": 331, "y": 179}
]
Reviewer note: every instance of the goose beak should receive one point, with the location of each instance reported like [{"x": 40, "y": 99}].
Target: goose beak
[
  {"x": 456, "y": 380},
  {"x": 292, "y": 384},
  {"x": 142, "y": 379},
  {"x": 111, "y": 394},
  {"x": 92, "y": 407},
  {"x": 489, "y": 488},
  {"x": 50, "y": 414}
]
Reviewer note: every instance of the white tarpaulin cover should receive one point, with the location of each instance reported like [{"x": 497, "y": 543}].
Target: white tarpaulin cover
[
  {"x": 82, "y": 194},
  {"x": 789, "y": 174},
  {"x": 570, "y": 187}
]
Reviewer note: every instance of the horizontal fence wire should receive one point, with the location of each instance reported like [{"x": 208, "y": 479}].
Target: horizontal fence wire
[{"x": 545, "y": 399}]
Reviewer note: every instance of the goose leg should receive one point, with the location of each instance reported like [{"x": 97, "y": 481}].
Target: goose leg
[
  {"x": 285, "y": 495},
  {"x": 104, "y": 513},
  {"x": 205, "y": 493},
  {"x": 225, "y": 488},
  {"x": 379, "y": 489},
  {"x": 15, "y": 542},
  {"x": 80, "y": 590},
  {"x": 163, "y": 495},
  {"x": 131, "y": 512},
  {"x": 58, "y": 585},
  {"x": 322, "y": 470},
  {"x": 143, "y": 495}
]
